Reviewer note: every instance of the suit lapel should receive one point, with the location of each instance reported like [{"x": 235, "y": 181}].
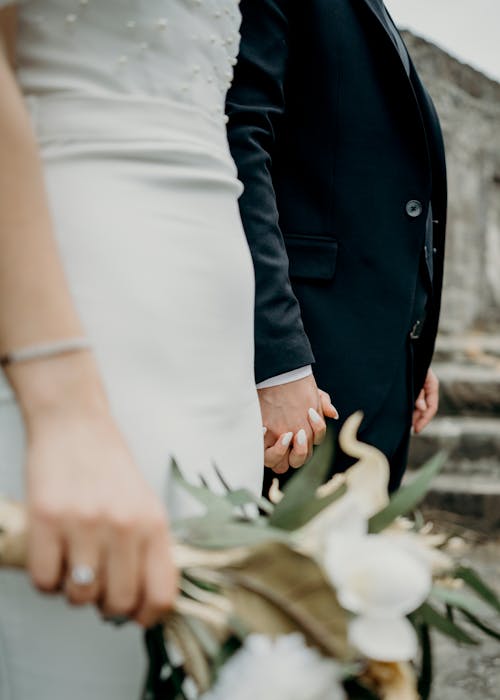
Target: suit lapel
[{"x": 376, "y": 9}]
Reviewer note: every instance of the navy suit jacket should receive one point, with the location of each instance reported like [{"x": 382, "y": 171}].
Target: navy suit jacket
[{"x": 335, "y": 144}]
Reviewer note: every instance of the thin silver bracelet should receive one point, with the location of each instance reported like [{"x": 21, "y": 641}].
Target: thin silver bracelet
[{"x": 45, "y": 350}]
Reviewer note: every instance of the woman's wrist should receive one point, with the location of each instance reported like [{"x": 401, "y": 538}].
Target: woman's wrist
[{"x": 66, "y": 384}]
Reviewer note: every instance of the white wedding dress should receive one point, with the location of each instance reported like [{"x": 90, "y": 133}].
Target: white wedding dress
[{"x": 127, "y": 103}]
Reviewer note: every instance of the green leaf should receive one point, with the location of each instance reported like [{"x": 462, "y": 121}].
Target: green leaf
[
  {"x": 315, "y": 471},
  {"x": 357, "y": 691},
  {"x": 243, "y": 497},
  {"x": 216, "y": 504},
  {"x": 426, "y": 668},
  {"x": 300, "y": 490},
  {"x": 474, "y": 581},
  {"x": 213, "y": 533},
  {"x": 481, "y": 625},
  {"x": 457, "y": 599},
  {"x": 290, "y": 518},
  {"x": 156, "y": 687},
  {"x": 435, "y": 619},
  {"x": 226, "y": 651},
  {"x": 408, "y": 496}
]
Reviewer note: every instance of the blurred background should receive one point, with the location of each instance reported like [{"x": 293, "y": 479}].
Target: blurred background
[{"x": 456, "y": 47}]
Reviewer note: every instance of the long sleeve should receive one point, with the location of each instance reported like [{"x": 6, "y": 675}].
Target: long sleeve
[
  {"x": 286, "y": 378},
  {"x": 255, "y": 107}
]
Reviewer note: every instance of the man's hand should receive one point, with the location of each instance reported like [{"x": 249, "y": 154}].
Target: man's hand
[
  {"x": 427, "y": 403},
  {"x": 293, "y": 419}
]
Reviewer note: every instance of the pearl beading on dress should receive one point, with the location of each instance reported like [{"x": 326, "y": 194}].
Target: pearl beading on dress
[{"x": 142, "y": 38}]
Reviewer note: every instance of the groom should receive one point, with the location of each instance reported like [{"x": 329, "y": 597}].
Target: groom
[{"x": 340, "y": 151}]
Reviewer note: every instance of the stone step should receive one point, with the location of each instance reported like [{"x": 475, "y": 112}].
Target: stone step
[
  {"x": 475, "y": 347},
  {"x": 473, "y": 445},
  {"x": 476, "y": 500},
  {"x": 469, "y": 389}
]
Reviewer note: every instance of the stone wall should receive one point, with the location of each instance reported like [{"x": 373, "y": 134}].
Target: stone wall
[{"x": 469, "y": 106}]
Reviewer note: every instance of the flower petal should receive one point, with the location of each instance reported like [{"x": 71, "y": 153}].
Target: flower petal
[
  {"x": 384, "y": 639},
  {"x": 375, "y": 576},
  {"x": 368, "y": 479},
  {"x": 343, "y": 517},
  {"x": 284, "y": 667}
]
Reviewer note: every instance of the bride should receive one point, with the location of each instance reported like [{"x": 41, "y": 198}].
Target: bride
[{"x": 126, "y": 319}]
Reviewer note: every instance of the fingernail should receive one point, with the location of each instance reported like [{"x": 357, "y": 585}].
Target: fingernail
[
  {"x": 302, "y": 437},
  {"x": 264, "y": 430},
  {"x": 314, "y": 415},
  {"x": 287, "y": 439},
  {"x": 117, "y": 620},
  {"x": 335, "y": 412}
]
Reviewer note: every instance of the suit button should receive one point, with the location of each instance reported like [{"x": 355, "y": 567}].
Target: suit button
[{"x": 414, "y": 208}]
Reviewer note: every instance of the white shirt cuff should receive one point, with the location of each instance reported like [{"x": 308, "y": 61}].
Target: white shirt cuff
[{"x": 287, "y": 377}]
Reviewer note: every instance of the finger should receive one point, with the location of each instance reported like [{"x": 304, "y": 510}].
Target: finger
[
  {"x": 327, "y": 406},
  {"x": 423, "y": 420},
  {"x": 269, "y": 438},
  {"x": 45, "y": 556},
  {"x": 160, "y": 581},
  {"x": 83, "y": 550},
  {"x": 282, "y": 467},
  {"x": 433, "y": 399},
  {"x": 300, "y": 449},
  {"x": 420, "y": 425},
  {"x": 421, "y": 403},
  {"x": 122, "y": 575},
  {"x": 274, "y": 455},
  {"x": 267, "y": 435},
  {"x": 427, "y": 416},
  {"x": 318, "y": 426},
  {"x": 431, "y": 393},
  {"x": 417, "y": 415}
]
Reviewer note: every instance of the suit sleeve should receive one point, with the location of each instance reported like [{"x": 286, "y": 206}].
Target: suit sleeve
[{"x": 255, "y": 108}]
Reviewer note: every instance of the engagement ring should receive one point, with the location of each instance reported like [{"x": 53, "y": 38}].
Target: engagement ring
[{"x": 82, "y": 575}]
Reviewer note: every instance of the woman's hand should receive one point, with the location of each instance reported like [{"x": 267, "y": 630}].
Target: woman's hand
[{"x": 88, "y": 504}]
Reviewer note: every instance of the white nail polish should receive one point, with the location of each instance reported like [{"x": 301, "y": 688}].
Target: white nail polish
[
  {"x": 264, "y": 430},
  {"x": 287, "y": 439},
  {"x": 336, "y": 416},
  {"x": 314, "y": 415},
  {"x": 301, "y": 437}
]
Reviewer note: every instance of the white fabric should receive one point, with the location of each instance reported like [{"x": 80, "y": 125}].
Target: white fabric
[
  {"x": 126, "y": 99},
  {"x": 287, "y": 377}
]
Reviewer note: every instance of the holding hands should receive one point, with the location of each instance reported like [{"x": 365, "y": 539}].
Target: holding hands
[{"x": 293, "y": 416}]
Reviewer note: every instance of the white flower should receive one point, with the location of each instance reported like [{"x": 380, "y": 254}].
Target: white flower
[
  {"x": 383, "y": 638},
  {"x": 367, "y": 494},
  {"x": 381, "y": 582},
  {"x": 424, "y": 547},
  {"x": 343, "y": 517},
  {"x": 368, "y": 479},
  {"x": 277, "y": 669}
]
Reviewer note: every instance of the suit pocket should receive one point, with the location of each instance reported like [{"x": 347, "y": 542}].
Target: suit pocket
[{"x": 311, "y": 257}]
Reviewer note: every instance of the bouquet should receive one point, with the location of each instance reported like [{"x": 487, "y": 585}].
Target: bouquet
[{"x": 325, "y": 591}]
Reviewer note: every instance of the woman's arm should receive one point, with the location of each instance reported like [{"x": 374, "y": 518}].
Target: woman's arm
[
  {"x": 35, "y": 303},
  {"x": 88, "y": 502}
]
